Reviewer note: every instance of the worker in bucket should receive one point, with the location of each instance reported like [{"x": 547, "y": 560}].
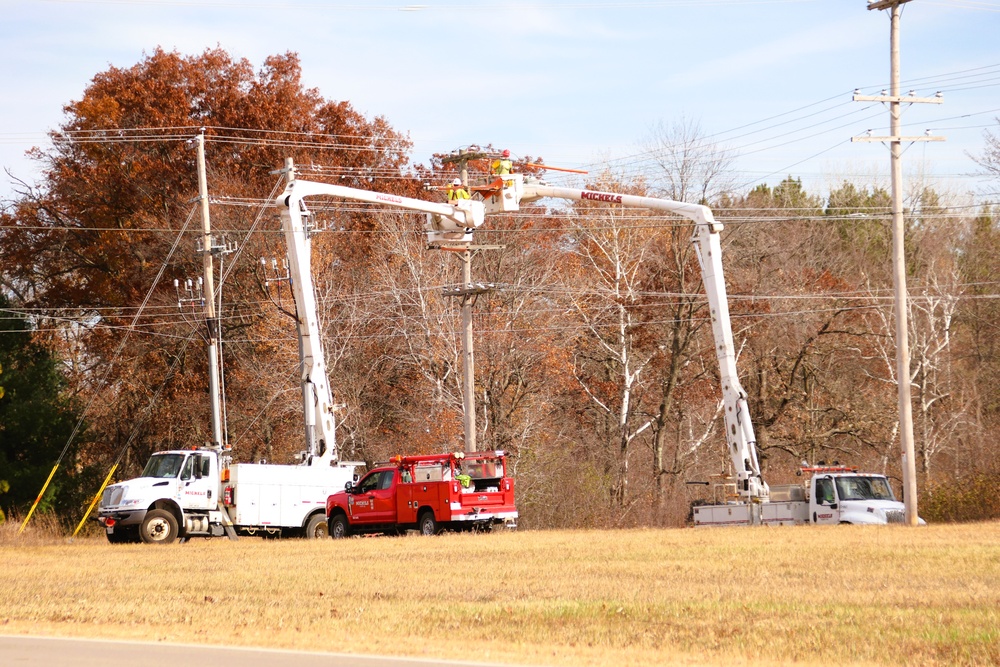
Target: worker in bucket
[
  {"x": 457, "y": 190},
  {"x": 503, "y": 165}
]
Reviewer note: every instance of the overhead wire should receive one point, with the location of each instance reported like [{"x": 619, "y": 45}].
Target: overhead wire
[
  {"x": 307, "y": 139},
  {"x": 635, "y": 163}
]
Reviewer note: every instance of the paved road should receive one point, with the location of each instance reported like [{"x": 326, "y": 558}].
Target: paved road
[{"x": 25, "y": 651}]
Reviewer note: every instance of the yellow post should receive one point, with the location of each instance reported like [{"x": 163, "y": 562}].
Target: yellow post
[
  {"x": 39, "y": 498},
  {"x": 96, "y": 498}
]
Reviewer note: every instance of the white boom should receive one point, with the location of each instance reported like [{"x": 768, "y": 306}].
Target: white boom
[
  {"x": 449, "y": 223},
  {"x": 739, "y": 428}
]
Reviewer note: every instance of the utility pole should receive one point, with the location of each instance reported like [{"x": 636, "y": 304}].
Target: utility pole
[
  {"x": 468, "y": 359},
  {"x": 895, "y": 142},
  {"x": 467, "y": 291},
  {"x": 209, "y": 286}
]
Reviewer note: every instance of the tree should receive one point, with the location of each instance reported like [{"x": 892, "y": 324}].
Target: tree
[
  {"x": 614, "y": 351},
  {"x": 689, "y": 167},
  {"x": 684, "y": 418},
  {"x": 87, "y": 244},
  {"x": 989, "y": 159},
  {"x": 36, "y": 420},
  {"x": 977, "y": 332},
  {"x": 808, "y": 352}
]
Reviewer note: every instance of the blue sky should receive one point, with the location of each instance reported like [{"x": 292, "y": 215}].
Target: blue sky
[{"x": 581, "y": 83}]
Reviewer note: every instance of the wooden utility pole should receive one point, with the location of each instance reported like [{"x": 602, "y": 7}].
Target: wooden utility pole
[
  {"x": 215, "y": 396},
  {"x": 467, "y": 291},
  {"x": 895, "y": 142}
]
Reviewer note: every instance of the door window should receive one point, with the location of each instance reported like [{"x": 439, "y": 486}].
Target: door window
[
  {"x": 824, "y": 491},
  {"x": 369, "y": 483}
]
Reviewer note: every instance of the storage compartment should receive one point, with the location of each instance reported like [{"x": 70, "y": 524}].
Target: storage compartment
[{"x": 787, "y": 493}]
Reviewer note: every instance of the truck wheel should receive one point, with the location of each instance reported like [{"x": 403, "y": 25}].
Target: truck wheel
[
  {"x": 338, "y": 528},
  {"x": 159, "y": 527},
  {"x": 316, "y": 528},
  {"x": 427, "y": 524}
]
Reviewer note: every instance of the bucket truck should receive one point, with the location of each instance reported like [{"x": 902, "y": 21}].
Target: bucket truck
[
  {"x": 199, "y": 492},
  {"x": 834, "y": 494}
]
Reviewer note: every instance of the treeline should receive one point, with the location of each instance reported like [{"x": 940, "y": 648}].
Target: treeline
[{"x": 595, "y": 365}]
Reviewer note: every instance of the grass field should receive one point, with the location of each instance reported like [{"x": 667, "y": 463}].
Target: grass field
[{"x": 769, "y": 596}]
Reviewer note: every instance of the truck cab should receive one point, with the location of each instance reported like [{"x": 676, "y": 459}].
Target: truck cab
[
  {"x": 152, "y": 507},
  {"x": 851, "y": 497},
  {"x": 460, "y": 491}
]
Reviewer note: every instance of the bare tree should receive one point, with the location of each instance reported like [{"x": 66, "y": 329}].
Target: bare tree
[
  {"x": 689, "y": 166},
  {"x": 989, "y": 159}
]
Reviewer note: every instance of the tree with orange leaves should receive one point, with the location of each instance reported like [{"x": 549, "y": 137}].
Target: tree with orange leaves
[{"x": 85, "y": 247}]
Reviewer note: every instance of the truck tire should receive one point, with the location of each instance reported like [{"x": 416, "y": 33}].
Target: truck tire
[
  {"x": 316, "y": 528},
  {"x": 427, "y": 524},
  {"x": 338, "y": 528},
  {"x": 159, "y": 527}
]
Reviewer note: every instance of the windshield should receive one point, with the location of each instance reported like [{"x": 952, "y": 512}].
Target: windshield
[
  {"x": 864, "y": 488},
  {"x": 163, "y": 465}
]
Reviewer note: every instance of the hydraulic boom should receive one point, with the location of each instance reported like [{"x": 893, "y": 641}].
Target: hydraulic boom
[
  {"x": 448, "y": 223},
  {"x": 739, "y": 428}
]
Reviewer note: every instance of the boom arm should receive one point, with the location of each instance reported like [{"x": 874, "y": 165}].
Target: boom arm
[
  {"x": 451, "y": 223},
  {"x": 739, "y": 429}
]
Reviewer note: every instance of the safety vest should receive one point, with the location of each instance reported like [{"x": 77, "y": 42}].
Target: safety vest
[
  {"x": 502, "y": 166},
  {"x": 458, "y": 193}
]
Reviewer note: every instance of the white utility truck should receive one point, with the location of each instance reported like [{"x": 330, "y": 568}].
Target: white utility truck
[
  {"x": 190, "y": 493},
  {"x": 199, "y": 492},
  {"x": 835, "y": 494}
]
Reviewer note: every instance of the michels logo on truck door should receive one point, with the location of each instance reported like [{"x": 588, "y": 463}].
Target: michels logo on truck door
[
  {"x": 600, "y": 196},
  {"x": 356, "y": 503}
]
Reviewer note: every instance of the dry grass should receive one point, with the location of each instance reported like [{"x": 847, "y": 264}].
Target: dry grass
[
  {"x": 843, "y": 595},
  {"x": 43, "y": 529}
]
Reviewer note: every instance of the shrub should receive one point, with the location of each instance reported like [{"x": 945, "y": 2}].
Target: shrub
[{"x": 974, "y": 498}]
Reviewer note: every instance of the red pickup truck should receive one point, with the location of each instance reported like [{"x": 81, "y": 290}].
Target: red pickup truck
[{"x": 459, "y": 491}]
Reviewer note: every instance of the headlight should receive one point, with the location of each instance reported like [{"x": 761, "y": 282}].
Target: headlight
[{"x": 130, "y": 503}]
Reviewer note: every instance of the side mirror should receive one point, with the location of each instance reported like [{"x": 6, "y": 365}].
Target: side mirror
[{"x": 349, "y": 487}]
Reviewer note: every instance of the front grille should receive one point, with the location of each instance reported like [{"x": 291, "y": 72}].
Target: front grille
[
  {"x": 894, "y": 516},
  {"x": 112, "y": 496}
]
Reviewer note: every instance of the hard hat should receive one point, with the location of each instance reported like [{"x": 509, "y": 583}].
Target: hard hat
[
  {"x": 506, "y": 153},
  {"x": 457, "y": 181}
]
